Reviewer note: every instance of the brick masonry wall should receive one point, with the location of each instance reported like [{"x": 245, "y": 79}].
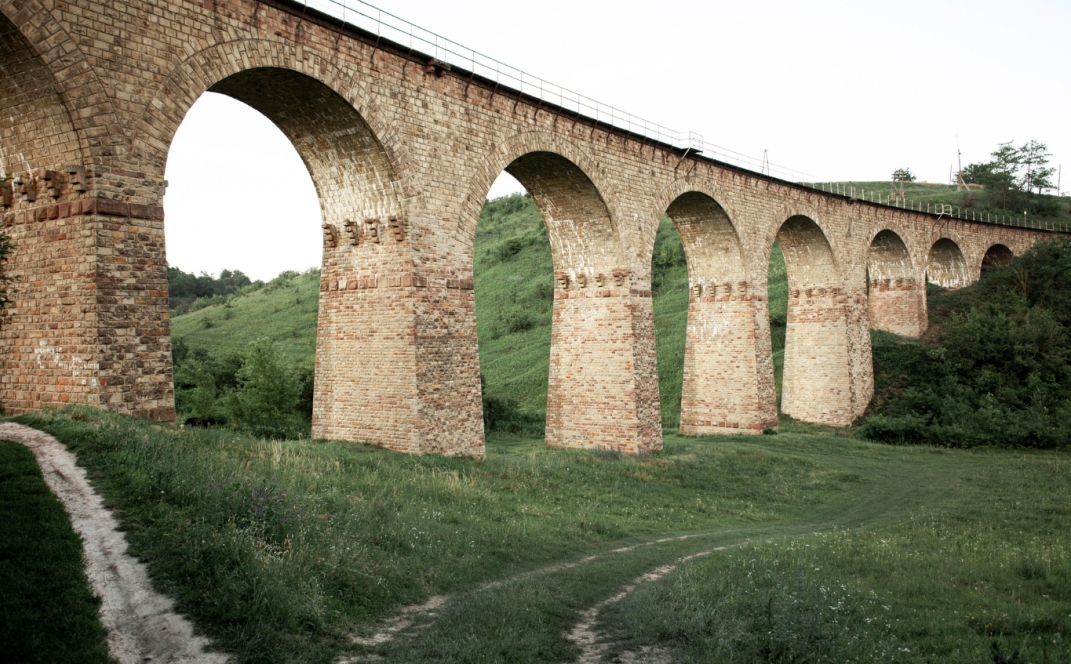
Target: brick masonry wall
[{"x": 103, "y": 86}]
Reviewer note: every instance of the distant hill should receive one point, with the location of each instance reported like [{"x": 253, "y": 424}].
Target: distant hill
[
  {"x": 283, "y": 310},
  {"x": 514, "y": 285}
]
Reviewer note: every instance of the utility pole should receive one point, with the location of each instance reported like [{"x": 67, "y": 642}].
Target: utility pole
[
  {"x": 960, "y": 183},
  {"x": 765, "y": 163}
]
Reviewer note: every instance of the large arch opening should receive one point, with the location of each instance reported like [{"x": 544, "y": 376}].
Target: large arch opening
[
  {"x": 997, "y": 256},
  {"x": 946, "y": 266},
  {"x": 365, "y": 370},
  {"x": 719, "y": 385},
  {"x": 896, "y": 299},
  {"x": 816, "y": 379},
  {"x": 591, "y": 395}
]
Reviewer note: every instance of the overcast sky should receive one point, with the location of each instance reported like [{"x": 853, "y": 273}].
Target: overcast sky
[{"x": 838, "y": 90}]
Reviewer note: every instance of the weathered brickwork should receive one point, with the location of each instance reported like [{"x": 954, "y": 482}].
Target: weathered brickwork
[
  {"x": 897, "y": 297},
  {"x": 402, "y": 153}
]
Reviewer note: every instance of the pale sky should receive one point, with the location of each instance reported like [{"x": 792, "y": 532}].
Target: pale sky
[{"x": 838, "y": 90}]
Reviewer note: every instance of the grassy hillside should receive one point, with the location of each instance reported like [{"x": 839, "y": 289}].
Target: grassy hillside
[
  {"x": 1043, "y": 206},
  {"x": 793, "y": 548},
  {"x": 514, "y": 282},
  {"x": 283, "y": 310}
]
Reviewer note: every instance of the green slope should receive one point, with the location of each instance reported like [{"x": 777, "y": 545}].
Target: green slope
[
  {"x": 283, "y": 310},
  {"x": 514, "y": 283}
]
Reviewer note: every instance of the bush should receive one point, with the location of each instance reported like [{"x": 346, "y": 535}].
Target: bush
[
  {"x": 1000, "y": 370},
  {"x": 195, "y": 389},
  {"x": 518, "y": 319},
  {"x": 266, "y": 401}
]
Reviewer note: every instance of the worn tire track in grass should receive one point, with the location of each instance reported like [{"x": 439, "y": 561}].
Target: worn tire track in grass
[
  {"x": 142, "y": 625},
  {"x": 549, "y": 614}
]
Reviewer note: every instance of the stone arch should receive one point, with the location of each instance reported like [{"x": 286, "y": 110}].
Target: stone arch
[
  {"x": 896, "y": 298},
  {"x": 722, "y": 389},
  {"x": 997, "y": 255},
  {"x": 32, "y": 34},
  {"x": 817, "y": 380},
  {"x": 593, "y": 395},
  {"x": 946, "y": 265},
  {"x": 364, "y": 345},
  {"x": 506, "y": 153},
  {"x": 207, "y": 69}
]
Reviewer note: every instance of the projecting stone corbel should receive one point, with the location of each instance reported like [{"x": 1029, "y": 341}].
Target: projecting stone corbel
[
  {"x": 76, "y": 175},
  {"x": 397, "y": 228},
  {"x": 53, "y": 182},
  {"x": 353, "y": 232},
  {"x": 330, "y": 236},
  {"x": 371, "y": 231}
]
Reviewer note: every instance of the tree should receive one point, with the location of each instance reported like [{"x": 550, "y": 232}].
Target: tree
[
  {"x": 903, "y": 175},
  {"x": 1034, "y": 155},
  {"x": 267, "y": 399}
]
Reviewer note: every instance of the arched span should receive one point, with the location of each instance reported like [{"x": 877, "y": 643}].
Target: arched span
[
  {"x": 583, "y": 239},
  {"x": 593, "y": 395},
  {"x": 817, "y": 382},
  {"x": 946, "y": 266},
  {"x": 206, "y": 69},
  {"x": 364, "y": 348},
  {"x": 350, "y": 168},
  {"x": 514, "y": 148},
  {"x": 896, "y": 297},
  {"x": 997, "y": 256},
  {"x": 722, "y": 387}
]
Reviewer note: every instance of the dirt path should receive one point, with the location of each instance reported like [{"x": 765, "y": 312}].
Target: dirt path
[
  {"x": 142, "y": 624},
  {"x": 891, "y": 491},
  {"x": 584, "y": 636}
]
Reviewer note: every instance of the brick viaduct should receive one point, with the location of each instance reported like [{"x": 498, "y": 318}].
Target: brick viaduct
[{"x": 402, "y": 154}]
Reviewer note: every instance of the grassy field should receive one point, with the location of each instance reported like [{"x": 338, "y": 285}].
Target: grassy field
[
  {"x": 48, "y": 613},
  {"x": 283, "y": 551}
]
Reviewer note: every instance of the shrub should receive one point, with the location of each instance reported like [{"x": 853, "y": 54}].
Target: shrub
[
  {"x": 195, "y": 389},
  {"x": 1000, "y": 370},
  {"x": 267, "y": 398},
  {"x": 507, "y": 249},
  {"x": 518, "y": 319}
]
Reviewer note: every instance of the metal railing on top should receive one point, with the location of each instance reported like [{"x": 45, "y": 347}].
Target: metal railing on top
[{"x": 385, "y": 25}]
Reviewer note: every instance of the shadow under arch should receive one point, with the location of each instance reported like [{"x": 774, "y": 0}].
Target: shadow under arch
[
  {"x": 896, "y": 299},
  {"x": 997, "y": 255},
  {"x": 946, "y": 265},
  {"x": 594, "y": 399},
  {"x": 722, "y": 383},
  {"x": 817, "y": 381},
  {"x": 38, "y": 130},
  {"x": 367, "y": 376}
]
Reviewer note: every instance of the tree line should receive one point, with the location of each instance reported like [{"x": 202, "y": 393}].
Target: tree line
[{"x": 1015, "y": 177}]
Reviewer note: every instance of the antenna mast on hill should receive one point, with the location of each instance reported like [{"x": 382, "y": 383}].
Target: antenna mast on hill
[
  {"x": 961, "y": 184},
  {"x": 896, "y": 194}
]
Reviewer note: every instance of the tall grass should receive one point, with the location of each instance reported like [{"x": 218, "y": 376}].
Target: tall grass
[
  {"x": 983, "y": 575},
  {"x": 280, "y": 549}
]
